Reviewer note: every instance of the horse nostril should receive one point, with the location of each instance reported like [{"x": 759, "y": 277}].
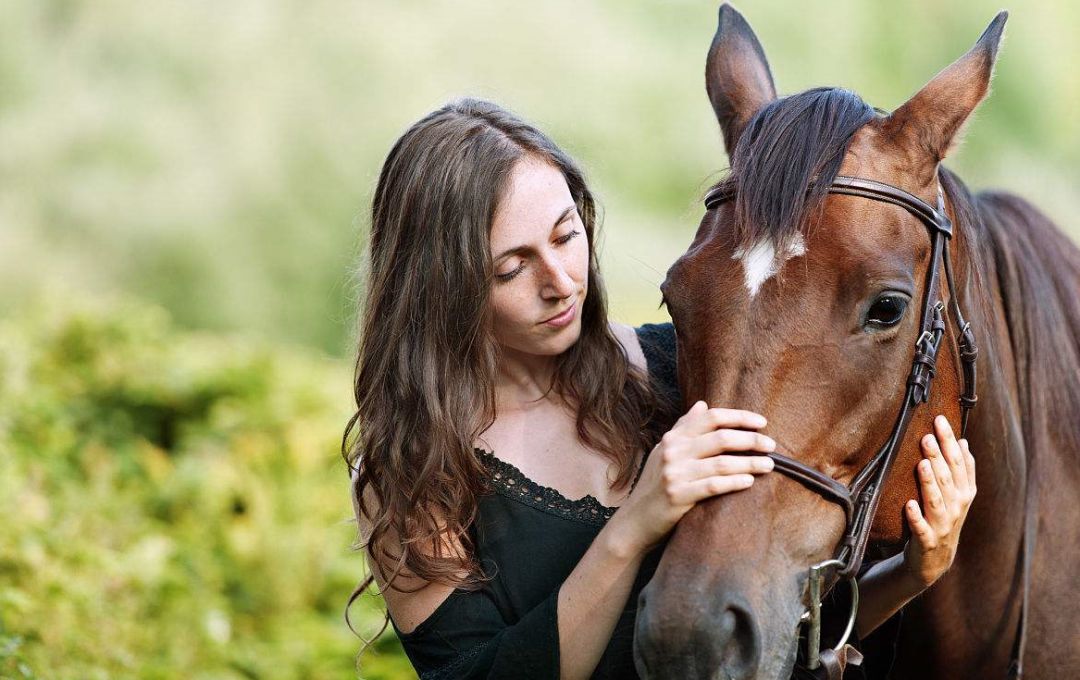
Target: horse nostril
[
  {"x": 740, "y": 647},
  {"x": 670, "y": 641}
]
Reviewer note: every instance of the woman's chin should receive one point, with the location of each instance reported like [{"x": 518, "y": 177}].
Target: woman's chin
[
  {"x": 562, "y": 341},
  {"x": 559, "y": 340}
]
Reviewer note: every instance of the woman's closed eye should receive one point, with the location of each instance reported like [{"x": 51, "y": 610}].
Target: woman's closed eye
[
  {"x": 571, "y": 234},
  {"x": 562, "y": 240}
]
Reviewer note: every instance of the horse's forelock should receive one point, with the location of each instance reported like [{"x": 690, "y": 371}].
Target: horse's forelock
[{"x": 789, "y": 153}]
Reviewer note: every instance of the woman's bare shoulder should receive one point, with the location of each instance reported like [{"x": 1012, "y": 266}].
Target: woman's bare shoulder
[
  {"x": 411, "y": 600},
  {"x": 628, "y": 338}
]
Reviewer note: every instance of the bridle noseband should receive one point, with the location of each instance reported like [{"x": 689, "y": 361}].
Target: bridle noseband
[{"x": 860, "y": 499}]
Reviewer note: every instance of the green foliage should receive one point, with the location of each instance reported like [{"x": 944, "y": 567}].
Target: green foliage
[{"x": 175, "y": 503}]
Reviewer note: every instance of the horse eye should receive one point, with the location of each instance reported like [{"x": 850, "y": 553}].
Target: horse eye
[{"x": 887, "y": 311}]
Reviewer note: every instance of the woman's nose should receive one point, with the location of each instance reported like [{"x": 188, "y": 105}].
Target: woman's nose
[{"x": 559, "y": 282}]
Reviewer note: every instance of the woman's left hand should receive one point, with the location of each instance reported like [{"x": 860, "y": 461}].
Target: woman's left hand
[{"x": 947, "y": 486}]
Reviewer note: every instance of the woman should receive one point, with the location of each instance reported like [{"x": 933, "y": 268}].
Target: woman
[{"x": 491, "y": 388}]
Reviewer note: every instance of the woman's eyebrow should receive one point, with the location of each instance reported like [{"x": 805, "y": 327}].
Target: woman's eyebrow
[{"x": 516, "y": 250}]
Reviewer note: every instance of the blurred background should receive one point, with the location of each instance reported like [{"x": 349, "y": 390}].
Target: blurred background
[{"x": 184, "y": 190}]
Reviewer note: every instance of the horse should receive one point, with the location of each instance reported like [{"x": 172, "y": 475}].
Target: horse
[{"x": 809, "y": 281}]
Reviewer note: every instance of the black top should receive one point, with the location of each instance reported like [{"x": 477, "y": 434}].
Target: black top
[{"x": 530, "y": 537}]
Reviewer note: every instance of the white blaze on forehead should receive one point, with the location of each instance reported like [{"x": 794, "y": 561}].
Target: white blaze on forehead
[{"x": 761, "y": 261}]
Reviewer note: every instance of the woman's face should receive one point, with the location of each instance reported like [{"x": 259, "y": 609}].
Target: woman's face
[{"x": 541, "y": 257}]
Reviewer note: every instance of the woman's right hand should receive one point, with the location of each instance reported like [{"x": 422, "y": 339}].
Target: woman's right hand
[{"x": 688, "y": 466}]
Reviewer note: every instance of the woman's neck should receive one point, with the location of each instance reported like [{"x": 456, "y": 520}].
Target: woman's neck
[{"x": 523, "y": 379}]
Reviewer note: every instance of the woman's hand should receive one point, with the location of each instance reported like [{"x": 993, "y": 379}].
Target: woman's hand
[
  {"x": 687, "y": 466},
  {"x": 947, "y": 486}
]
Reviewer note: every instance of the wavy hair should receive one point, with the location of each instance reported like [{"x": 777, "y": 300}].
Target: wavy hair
[{"x": 426, "y": 361}]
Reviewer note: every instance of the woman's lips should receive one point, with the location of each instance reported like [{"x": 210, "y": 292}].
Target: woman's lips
[{"x": 564, "y": 318}]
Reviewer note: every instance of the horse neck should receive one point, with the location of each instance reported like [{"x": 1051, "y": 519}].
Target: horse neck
[
  {"x": 987, "y": 262},
  {"x": 1022, "y": 289}
]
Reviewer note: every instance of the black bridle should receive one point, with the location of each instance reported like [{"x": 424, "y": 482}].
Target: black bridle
[{"x": 860, "y": 499}]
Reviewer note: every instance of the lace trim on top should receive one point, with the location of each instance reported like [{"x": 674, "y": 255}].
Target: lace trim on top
[{"x": 511, "y": 482}]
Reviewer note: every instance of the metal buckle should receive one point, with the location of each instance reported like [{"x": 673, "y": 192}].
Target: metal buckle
[
  {"x": 813, "y": 613},
  {"x": 928, "y": 336}
]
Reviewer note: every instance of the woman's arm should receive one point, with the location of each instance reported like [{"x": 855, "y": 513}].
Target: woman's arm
[
  {"x": 884, "y": 590},
  {"x": 687, "y": 466},
  {"x": 683, "y": 469},
  {"x": 593, "y": 597},
  {"x": 947, "y": 484}
]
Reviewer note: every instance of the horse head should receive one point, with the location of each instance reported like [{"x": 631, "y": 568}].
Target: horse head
[{"x": 805, "y": 305}]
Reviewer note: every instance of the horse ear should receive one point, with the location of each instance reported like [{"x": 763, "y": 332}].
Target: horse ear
[
  {"x": 927, "y": 127},
  {"x": 737, "y": 75}
]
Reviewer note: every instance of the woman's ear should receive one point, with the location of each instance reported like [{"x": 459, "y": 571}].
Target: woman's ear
[
  {"x": 737, "y": 75},
  {"x": 927, "y": 127}
]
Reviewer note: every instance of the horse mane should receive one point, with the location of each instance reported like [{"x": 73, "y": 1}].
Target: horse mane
[
  {"x": 1037, "y": 272},
  {"x": 786, "y": 158}
]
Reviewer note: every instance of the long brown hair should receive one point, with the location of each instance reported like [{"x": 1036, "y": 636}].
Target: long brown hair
[{"x": 426, "y": 361}]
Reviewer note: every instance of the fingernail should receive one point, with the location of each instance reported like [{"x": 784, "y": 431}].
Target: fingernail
[
  {"x": 759, "y": 421},
  {"x": 770, "y": 442},
  {"x": 766, "y": 464}
]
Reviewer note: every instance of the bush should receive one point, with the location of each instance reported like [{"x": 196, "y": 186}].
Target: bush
[{"x": 175, "y": 503}]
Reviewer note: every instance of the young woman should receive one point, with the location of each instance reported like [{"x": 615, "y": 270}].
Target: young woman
[{"x": 518, "y": 458}]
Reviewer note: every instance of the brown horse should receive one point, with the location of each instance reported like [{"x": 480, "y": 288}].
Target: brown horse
[{"x": 803, "y": 305}]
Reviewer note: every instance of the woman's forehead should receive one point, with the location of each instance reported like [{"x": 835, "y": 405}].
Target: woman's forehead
[{"x": 535, "y": 200}]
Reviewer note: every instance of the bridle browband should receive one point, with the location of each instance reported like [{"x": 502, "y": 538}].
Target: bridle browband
[{"x": 860, "y": 499}]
